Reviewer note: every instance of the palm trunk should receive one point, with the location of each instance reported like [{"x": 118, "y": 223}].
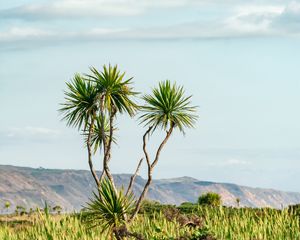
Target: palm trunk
[
  {"x": 104, "y": 142},
  {"x": 88, "y": 143},
  {"x": 132, "y": 179},
  {"x": 150, "y": 167},
  {"x": 103, "y": 174},
  {"x": 107, "y": 154}
]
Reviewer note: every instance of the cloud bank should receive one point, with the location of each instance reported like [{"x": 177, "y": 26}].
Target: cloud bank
[
  {"x": 242, "y": 20},
  {"x": 87, "y": 8}
]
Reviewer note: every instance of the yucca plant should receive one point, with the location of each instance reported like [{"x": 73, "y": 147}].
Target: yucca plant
[{"x": 107, "y": 209}]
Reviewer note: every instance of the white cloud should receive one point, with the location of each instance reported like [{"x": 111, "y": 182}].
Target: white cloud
[
  {"x": 269, "y": 20},
  {"x": 28, "y": 133},
  {"x": 69, "y": 9},
  {"x": 17, "y": 33},
  {"x": 234, "y": 161},
  {"x": 102, "y": 8},
  {"x": 230, "y": 163},
  {"x": 32, "y": 131},
  {"x": 87, "y": 8},
  {"x": 289, "y": 20},
  {"x": 252, "y": 19}
]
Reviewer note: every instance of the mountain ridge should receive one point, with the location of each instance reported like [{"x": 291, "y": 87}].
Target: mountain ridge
[{"x": 70, "y": 188}]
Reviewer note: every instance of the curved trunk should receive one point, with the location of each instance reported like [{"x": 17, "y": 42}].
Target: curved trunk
[
  {"x": 150, "y": 167},
  {"x": 132, "y": 179},
  {"x": 107, "y": 154},
  {"x": 88, "y": 143}
]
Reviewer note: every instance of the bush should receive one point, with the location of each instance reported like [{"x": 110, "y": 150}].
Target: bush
[
  {"x": 188, "y": 207},
  {"x": 210, "y": 198},
  {"x": 150, "y": 207}
]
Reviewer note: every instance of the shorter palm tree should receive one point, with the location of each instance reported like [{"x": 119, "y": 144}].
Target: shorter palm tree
[
  {"x": 166, "y": 108},
  {"x": 238, "y": 201},
  {"x": 7, "y": 205}
]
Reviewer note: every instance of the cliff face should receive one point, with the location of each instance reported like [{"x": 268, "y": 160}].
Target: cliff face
[{"x": 71, "y": 189}]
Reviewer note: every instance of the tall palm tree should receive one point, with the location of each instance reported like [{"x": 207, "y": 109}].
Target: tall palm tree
[
  {"x": 166, "y": 108},
  {"x": 80, "y": 111},
  {"x": 114, "y": 95},
  {"x": 92, "y": 99}
]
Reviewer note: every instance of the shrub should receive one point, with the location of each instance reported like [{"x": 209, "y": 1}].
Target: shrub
[
  {"x": 210, "y": 198},
  {"x": 188, "y": 207},
  {"x": 149, "y": 206}
]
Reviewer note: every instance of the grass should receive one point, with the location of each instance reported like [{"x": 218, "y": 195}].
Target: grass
[
  {"x": 228, "y": 223},
  {"x": 166, "y": 224}
]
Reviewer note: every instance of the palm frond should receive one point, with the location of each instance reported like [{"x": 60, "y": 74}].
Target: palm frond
[
  {"x": 96, "y": 134},
  {"x": 117, "y": 92},
  {"x": 80, "y": 102},
  {"x": 167, "y": 106}
]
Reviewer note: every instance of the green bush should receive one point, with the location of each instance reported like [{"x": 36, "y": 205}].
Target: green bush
[
  {"x": 188, "y": 207},
  {"x": 211, "y": 199},
  {"x": 150, "y": 207}
]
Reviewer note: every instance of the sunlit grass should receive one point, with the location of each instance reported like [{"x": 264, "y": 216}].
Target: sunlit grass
[{"x": 222, "y": 223}]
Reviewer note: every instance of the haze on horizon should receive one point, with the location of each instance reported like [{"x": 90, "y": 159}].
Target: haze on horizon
[{"x": 240, "y": 61}]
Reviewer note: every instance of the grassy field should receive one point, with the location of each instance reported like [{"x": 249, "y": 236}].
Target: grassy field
[{"x": 164, "y": 222}]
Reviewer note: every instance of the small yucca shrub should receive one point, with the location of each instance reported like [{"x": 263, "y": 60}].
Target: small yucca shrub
[{"x": 108, "y": 209}]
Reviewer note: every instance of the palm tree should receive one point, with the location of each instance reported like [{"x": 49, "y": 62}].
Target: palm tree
[
  {"x": 166, "y": 108},
  {"x": 91, "y": 104},
  {"x": 114, "y": 95},
  {"x": 238, "y": 201},
  {"x": 80, "y": 109},
  {"x": 57, "y": 209},
  {"x": 7, "y": 205}
]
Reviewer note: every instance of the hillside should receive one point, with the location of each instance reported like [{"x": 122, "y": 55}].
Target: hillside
[{"x": 71, "y": 188}]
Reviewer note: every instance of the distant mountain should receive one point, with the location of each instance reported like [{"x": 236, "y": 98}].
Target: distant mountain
[{"x": 71, "y": 188}]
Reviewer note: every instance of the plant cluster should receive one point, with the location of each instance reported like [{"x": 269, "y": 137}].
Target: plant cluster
[{"x": 92, "y": 104}]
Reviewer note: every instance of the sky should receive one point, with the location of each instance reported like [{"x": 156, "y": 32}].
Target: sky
[{"x": 239, "y": 60}]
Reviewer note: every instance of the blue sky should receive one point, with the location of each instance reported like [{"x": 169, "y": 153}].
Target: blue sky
[{"x": 239, "y": 60}]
